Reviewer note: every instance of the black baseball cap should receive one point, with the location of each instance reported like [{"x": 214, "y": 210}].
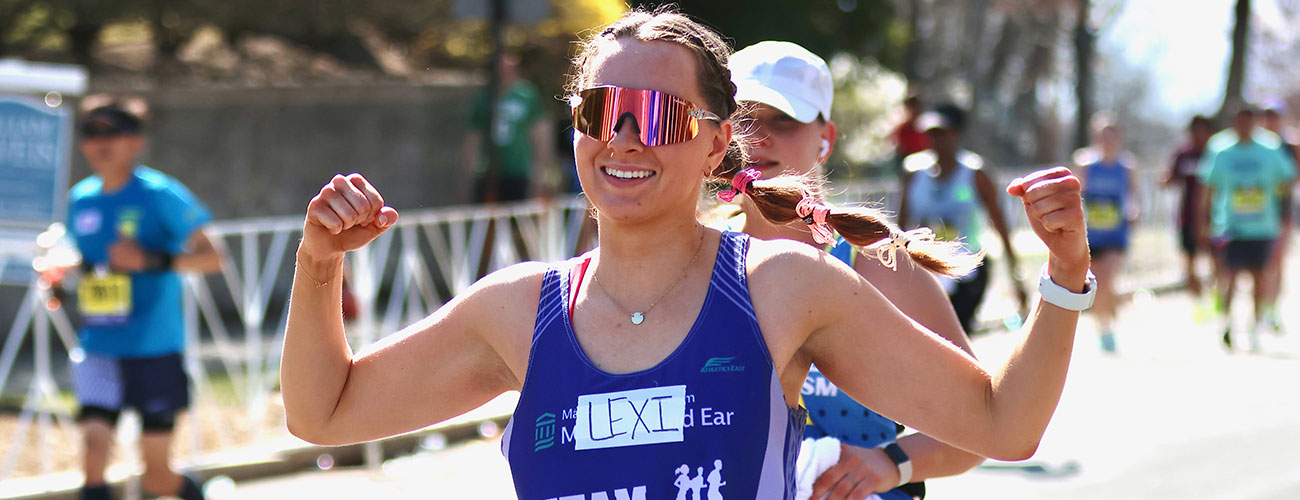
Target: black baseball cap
[
  {"x": 943, "y": 116},
  {"x": 111, "y": 120}
]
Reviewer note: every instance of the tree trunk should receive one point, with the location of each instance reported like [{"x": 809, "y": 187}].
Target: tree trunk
[
  {"x": 1084, "y": 48},
  {"x": 977, "y": 14},
  {"x": 81, "y": 40},
  {"x": 1232, "y": 93},
  {"x": 912, "y": 54},
  {"x": 166, "y": 40}
]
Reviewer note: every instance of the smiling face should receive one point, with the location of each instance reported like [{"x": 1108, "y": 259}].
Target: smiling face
[
  {"x": 626, "y": 180},
  {"x": 781, "y": 144}
]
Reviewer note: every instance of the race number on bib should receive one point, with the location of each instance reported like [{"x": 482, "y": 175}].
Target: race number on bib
[
  {"x": 105, "y": 299},
  {"x": 1103, "y": 214},
  {"x": 1249, "y": 200}
]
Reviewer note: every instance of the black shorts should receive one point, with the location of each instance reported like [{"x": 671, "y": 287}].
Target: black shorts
[
  {"x": 1250, "y": 255},
  {"x": 158, "y": 388},
  {"x": 1187, "y": 240},
  {"x": 967, "y": 295}
]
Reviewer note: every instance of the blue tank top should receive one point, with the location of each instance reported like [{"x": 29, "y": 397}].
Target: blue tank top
[
  {"x": 709, "y": 420},
  {"x": 1105, "y": 199}
]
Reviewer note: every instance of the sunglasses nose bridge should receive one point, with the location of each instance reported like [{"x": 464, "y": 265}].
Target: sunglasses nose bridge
[{"x": 627, "y": 115}]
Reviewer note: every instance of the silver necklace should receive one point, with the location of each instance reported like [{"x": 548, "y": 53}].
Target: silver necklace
[{"x": 638, "y": 317}]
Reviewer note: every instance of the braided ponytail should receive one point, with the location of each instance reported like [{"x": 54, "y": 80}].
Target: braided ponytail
[{"x": 778, "y": 199}]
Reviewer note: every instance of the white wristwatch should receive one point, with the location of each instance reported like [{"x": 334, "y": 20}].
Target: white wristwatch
[{"x": 1063, "y": 298}]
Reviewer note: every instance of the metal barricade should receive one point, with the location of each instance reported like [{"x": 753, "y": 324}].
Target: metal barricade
[{"x": 235, "y": 319}]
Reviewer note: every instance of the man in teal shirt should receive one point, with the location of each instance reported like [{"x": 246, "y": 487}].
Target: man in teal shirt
[{"x": 1243, "y": 179}]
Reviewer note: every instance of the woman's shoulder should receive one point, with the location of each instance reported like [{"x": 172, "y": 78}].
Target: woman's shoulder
[
  {"x": 787, "y": 261},
  {"x": 516, "y": 283}
]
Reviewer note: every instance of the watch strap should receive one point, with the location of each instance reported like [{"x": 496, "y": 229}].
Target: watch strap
[
  {"x": 1062, "y": 297},
  {"x": 900, "y": 459}
]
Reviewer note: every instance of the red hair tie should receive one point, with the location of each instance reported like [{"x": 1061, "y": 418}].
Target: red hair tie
[
  {"x": 739, "y": 184},
  {"x": 814, "y": 214}
]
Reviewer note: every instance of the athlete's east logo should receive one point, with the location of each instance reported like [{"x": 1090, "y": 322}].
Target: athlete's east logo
[
  {"x": 716, "y": 365},
  {"x": 544, "y": 432}
]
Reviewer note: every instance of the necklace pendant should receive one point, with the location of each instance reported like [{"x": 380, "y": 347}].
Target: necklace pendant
[{"x": 637, "y": 318}]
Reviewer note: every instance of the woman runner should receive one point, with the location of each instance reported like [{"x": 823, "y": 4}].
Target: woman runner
[
  {"x": 670, "y": 344},
  {"x": 789, "y": 92}
]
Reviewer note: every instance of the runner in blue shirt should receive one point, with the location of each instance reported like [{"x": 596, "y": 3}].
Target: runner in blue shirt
[
  {"x": 1109, "y": 196},
  {"x": 1243, "y": 180},
  {"x": 135, "y": 228},
  {"x": 671, "y": 351}
]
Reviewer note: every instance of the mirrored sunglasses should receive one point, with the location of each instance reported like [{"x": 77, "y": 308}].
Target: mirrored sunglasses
[{"x": 660, "y": 118}]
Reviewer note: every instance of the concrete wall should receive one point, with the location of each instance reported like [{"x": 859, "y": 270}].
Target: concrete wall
[{"x": 267, "y": 151}]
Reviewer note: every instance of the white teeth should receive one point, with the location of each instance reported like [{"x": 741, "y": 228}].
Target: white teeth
[{"x": 624, "y": 174}]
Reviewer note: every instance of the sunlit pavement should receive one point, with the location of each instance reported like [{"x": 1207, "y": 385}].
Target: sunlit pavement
[{"x": 1171, "y": 416}]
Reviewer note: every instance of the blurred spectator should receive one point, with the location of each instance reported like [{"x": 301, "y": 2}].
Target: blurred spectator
[
  {"x": 1182, "y": 173},
  {"x": 907, "y": 137},
  {"x": 520, "y": 133}
]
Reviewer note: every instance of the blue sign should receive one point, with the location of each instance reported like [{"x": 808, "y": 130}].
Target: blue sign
[{"x": 34, "y": 159}]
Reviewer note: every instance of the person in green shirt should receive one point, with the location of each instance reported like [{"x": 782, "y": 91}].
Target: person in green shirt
[
  {"x": 1242, "y": 180},
  {"x": 519, "y": 133}
]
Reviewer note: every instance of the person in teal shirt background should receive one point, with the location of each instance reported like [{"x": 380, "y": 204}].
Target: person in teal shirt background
[{"x": 1243, "y": 178}]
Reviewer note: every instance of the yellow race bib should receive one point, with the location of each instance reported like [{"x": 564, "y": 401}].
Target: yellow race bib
[
  {"x": 1248, "y": 200},
  {"x": 105, "y": 299},
  {"x": 1103, "y": 214}
]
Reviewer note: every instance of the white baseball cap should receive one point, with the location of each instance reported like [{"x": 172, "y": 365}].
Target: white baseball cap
[{"x": 785, "y": 76}]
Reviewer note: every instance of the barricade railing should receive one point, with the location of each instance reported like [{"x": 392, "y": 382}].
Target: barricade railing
[{"x": 236, "y": 318}]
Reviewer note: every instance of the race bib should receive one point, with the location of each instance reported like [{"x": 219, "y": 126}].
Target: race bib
[
  {"x": 630, "y": 418},
  {"x": 1248, "y": 200},
  {"x": 105, "y": 300},
  {"x": 1103, "y": 214}
]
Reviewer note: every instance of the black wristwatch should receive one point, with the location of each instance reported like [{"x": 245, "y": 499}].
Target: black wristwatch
[{"x": 900, "y": 459}]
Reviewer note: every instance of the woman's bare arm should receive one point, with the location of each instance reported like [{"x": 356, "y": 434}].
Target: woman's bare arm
[
  {"x": 862, "y": 471},
  {"x": 932, "y": 385},
  {"x": 442, "y": 366}
]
